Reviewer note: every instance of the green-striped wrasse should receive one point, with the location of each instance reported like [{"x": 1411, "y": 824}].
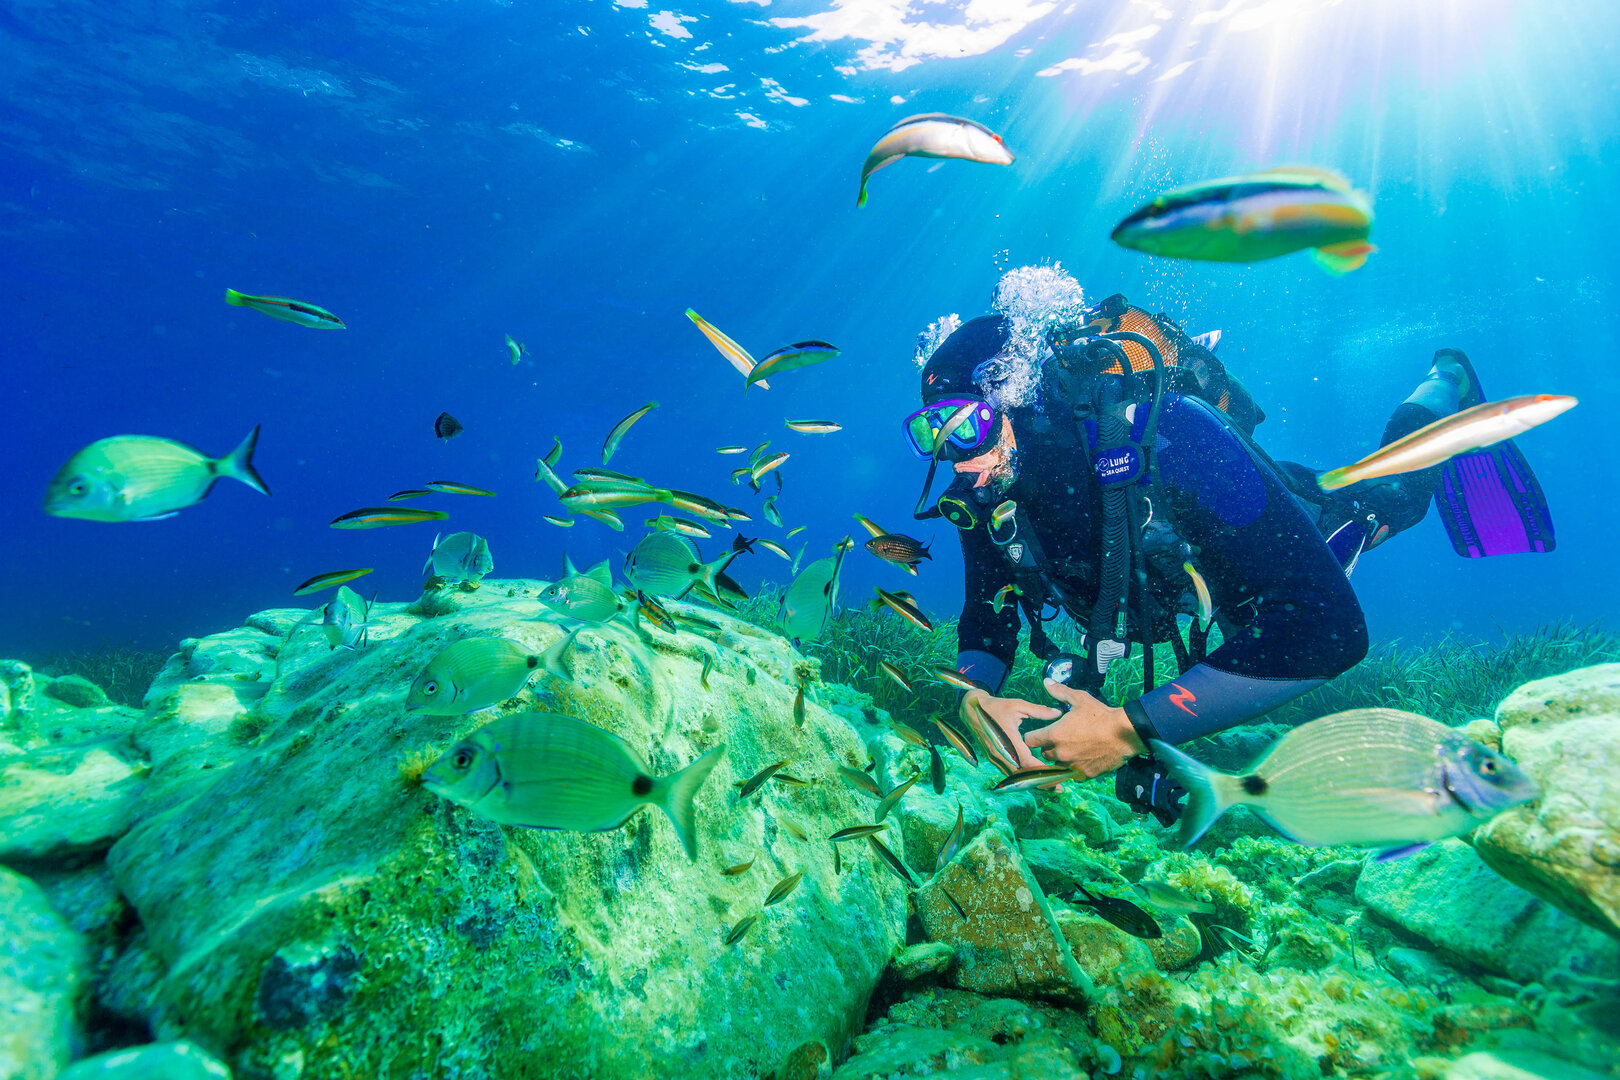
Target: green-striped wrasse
[
  {"x": 733, "y": 352},
  {"x": 282, "y": 309},
  {"x": 814, "y": 427},
  {"x": 456, "y": 487},
  {"x": 1260, "y": 216},
  {"x": 330, "y": 579},
  {"x": 377, "y": 517},
  {"x": 789, "y": 358},
  {"x": 934, "y": 135},
  {"x": 1471, "y": 429}
]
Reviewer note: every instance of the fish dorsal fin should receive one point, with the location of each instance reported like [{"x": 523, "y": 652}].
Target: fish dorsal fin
[
  {"x": 601, "y": 572},
  {"x": 938, "y": 117},
  {"x": 569, "y": 569},
  {"x": 1326, "y": 177}
]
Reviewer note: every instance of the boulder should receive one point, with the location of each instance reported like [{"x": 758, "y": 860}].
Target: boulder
[
  {"x": 1483, "y": 1065},
  {"x": 304, "y": 897},
  {"x": 76, "y": 691},
  {"x": 988, "y": 905},
  {"x": 64, "y": 805},
  {"x": 1565, "y": 847},
  {"x": 915, "y": 963},
  {"x": 1447, "y": 896},
  {"x": 43, "y": 979},
  {"x": 899, "y": 1052},
  {"x": 156, "y": 1061}
]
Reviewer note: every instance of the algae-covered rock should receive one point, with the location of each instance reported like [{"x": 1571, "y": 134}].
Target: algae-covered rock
[
  {"x": 894, "y": 1052},
  {"x": 306, "y": 899},
  {"x": 1178, "y": 947},
  {"x": 1063, "y": 865},
  {"x": 43, "y": 978},
  {"x": 1565, "y": 846},
  {"x": 1483, "y": 1065},
  {"x": 77, "y": 691},
  {"x": 917, "y": 962},
  {"x": 157, "y": 1061},
  {"x": 1102, "y": 950},
  {"x": 1447, "y": 896},
  {"x": 988, "y": 905},
  {"x": 64, "y": 805}
]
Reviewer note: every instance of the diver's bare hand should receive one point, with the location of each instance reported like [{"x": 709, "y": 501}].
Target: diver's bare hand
[
  {"x": 1006, "y": 713},
  {"x": 1091, "y": 737}
]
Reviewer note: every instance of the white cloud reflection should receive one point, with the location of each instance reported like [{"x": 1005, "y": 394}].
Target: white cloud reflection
[{"x": 896, "y": 40}]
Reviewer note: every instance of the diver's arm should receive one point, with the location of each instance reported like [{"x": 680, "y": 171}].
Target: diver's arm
[
  {"x": 1289, "y": 617},
  {"x": 986, "y": 642}
]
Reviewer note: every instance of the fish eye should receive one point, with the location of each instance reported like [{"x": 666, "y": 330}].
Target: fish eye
[
  {"x": 1488, "y": 767},
  {"x": 78, "y": 486},
  {"x": 462, "y": 759},
  {"x": 430, "y": 688}
]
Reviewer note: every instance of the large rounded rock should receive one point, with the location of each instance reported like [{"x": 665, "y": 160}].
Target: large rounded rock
[
  {"x": 65, "y": 805},
  {"x": 988, "y": 905},
  {"x": 43, "y": 977},
  {"x": 157, "y": 1061},
  {"x": 1447, "y": 896},
  {"x": 319, "y": 914},
  {"x": 1565, "y": 847}
]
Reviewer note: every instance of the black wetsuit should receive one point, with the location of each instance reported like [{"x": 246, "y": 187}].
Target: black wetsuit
[{"x": 1288, "y": 616}]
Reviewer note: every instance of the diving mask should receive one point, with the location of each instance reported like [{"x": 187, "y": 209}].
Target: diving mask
[{"x": 970, "y": 432}]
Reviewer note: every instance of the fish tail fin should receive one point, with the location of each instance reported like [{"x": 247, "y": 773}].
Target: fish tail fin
[
  {"x": 708, "y": 570},
  {"x": 429, "y": 564},
  {"x": 235, "y": 299},
  {"x": 860, "y": 200},
  {"x": 676, "y": 793},
  {"x": 1210, "y": 793},
  {"x": 238, "y": 464},
  {"x": 1339, "y": 259},
  {"x": 1334, "y": 479}
]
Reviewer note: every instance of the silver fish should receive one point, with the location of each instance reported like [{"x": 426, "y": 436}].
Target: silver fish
[
  {"x": 665, "y": 564},
  {"x": 461, "y": 556},
  {"x": 1167, "y": 897},
  {"x": 344, "y": 620},
  {"x": 807, "y": 605},
  {"x": 588, "y": 596},
  {"x": 548, "y": 771},
  {"x": 934, "y": 135},
  {"x": 471, "y": 675},
  {"x": 144, "y": 478},
  {"x": 1377, "y": 778}
]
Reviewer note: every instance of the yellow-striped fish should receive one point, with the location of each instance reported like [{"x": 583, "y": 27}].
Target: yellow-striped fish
[
  {"x": 1471, "y": 429},
  {"x": 456, "y": 487},
  {"x": 611, "y": 443},
  {"x": 327, "y": 580},
  {"x": 934, "y": 135},
  {"x": 814, "y": 427},
  {"x": 376, "y": 517},
  {"x": 1255, "y": 217},
  {"x": 733, "y": 352},
  {"x": 282, "y": 309},
  {"x": 1206, "y": 605}
]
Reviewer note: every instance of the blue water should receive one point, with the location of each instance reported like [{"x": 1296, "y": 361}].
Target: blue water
[{"x": 577, "y": 174}]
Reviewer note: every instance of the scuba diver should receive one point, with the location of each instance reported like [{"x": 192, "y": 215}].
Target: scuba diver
[{"x": 1106, "y": 469}]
